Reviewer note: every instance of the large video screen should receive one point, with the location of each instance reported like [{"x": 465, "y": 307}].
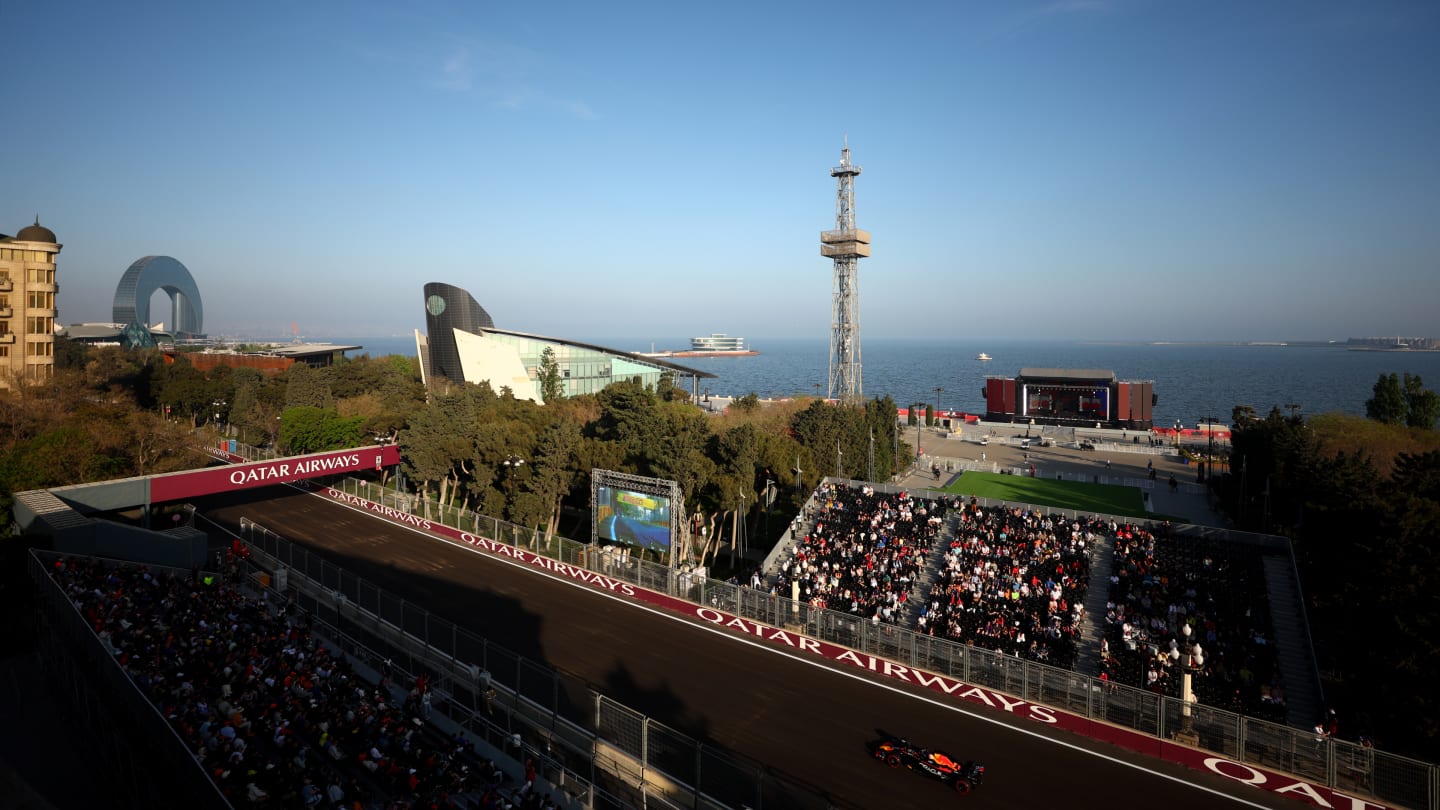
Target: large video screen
[{"x": 634, "y": 518}]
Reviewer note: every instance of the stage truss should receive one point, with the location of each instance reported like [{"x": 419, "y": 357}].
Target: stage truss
[{"x": 679, "y": 527}]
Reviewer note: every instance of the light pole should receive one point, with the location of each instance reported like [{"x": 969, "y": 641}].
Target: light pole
[
  {"x": 512, "y": 464},
  {"x": 872, "y": 454},
  {"x": 1210, "y": 422},
  {"x": 917, "y": 434},
  {"x": 935, "y": 416},
  {"x": 895, "y": 456},
  {"x": 839, "y": 455},
  {"x": 768, "y": 500}
]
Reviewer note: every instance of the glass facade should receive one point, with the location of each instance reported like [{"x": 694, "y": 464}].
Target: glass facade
[{"x": 584, "y": 369}]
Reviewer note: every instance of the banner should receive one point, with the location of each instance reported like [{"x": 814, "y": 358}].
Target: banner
[{"x": 232, "y": 477}]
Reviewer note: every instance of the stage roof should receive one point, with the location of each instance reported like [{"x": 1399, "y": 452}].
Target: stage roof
[{"x": 1069, "y": 373}]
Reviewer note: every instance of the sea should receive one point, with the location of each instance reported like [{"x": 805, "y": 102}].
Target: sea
[{"x": 1193, "y": 381}]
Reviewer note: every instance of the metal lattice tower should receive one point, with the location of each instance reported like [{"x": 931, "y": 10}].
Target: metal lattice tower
[{"x": 846, "y": 245}]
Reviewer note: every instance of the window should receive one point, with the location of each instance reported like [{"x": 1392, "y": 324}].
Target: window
[
  {"x": 4, "y": 274},
  {"x": 38, "y": 325},
  {"x": 40, "y": 299},
  {"x": 39, "y": 349},
  {"x": 4, "y": 301},
  {"x": 40, "y": 275},
  {"x": 4, "y": 351}
]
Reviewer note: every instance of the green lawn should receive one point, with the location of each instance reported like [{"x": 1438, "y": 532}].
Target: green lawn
[{"x": 1107, "y": 499}]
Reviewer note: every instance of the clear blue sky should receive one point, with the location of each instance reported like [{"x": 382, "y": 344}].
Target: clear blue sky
[{"x": 1090, "y": 169}]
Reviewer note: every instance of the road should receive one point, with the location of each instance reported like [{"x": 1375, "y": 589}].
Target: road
[{"x": 800, "y": 717}]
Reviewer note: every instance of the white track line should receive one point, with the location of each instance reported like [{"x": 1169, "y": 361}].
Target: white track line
[{"x": 818, "y": 665}]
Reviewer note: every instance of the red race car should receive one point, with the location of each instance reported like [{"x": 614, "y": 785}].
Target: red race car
[{"x": 962, "y": 775}]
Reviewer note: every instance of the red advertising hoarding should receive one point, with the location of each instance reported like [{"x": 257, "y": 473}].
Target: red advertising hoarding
[{"x": 232, "y": 477}]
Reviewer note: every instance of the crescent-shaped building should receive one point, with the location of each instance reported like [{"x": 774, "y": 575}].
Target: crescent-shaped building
[{"x": 142, "y": 279}]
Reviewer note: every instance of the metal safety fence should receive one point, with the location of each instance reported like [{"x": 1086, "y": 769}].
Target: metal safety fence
[{"x": 1334, "y": 763}]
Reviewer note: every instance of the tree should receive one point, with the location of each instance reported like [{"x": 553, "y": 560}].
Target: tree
[
  {"x": 553, "y": 473},
  {"x": 1422, "y": 406},
  {"x": 1388, "y": 405},
  {"x": 1242, "y": 416},
  {"x": 310, "y": 430},
  {"x": 746, "y": 404},
  {"x": 306, "y": 387},
  {"x": 552, "y": 387}
]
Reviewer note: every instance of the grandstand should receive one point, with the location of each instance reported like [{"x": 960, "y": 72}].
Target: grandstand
[
  {"x": 271, "y": 713},
  {"x": 1016, "y": 580}
]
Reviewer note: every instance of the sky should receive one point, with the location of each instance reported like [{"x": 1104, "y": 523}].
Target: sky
[{"x": 1080, "y": 169}]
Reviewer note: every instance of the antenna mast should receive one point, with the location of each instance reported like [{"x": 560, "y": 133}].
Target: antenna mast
[{"x": 846, "y": 245}]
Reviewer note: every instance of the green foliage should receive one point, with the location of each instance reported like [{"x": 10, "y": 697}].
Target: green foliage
[
  {"x": 1422, "y": 406},
  {"x": 188, "y": 392},
  {"x": 306, "y": 387},
  {"x": 1242, "y": 416},
  {"x": 312, "y": 430},
  {"x": 1388, "y": 405},
  {"x": 746, "y": 404},
  {"x": 552, "y": 387},
  {"x": 70, "y": 354}
]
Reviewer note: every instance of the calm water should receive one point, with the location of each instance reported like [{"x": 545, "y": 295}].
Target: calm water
[{"x": 1191, "y": 381}]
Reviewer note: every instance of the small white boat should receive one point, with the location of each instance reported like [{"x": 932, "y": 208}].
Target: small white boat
[{"x": 982, "y": 356}]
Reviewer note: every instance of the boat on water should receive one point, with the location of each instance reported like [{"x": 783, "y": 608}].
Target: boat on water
[
  {"x": 716, "y": 344},
  {"x": 983, "y": 356}
]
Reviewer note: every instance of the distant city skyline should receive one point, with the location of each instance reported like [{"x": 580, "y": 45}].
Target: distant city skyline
[{"x": 1075, "y": 170}]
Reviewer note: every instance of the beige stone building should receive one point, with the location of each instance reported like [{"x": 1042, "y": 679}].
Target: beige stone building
[{"x": 27, "y": 304}]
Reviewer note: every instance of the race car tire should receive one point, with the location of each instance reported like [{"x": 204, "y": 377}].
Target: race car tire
[
  {"x": 962, "y": 786},
  {"x": 894, "y": 761}
]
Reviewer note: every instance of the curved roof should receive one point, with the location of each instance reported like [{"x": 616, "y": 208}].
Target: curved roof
[{"x": 36, "y": 233}]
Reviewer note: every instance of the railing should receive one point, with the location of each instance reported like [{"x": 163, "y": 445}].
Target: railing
[{"x": 1335, "y": 763}]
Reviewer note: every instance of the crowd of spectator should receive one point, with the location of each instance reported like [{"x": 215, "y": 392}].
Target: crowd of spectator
[
  {"x": 275, "y": 717},
  {"x": 1177, "y": 603},
  {"x": 1013, "y": 580},
  {"x": 864, "y": 552}
]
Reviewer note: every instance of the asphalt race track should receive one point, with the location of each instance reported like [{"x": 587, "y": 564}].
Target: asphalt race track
[{"x": 806, "y": 720}]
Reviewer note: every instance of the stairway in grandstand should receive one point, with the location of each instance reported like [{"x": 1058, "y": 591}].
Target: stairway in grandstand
[
  {"x": 1292, "y": 641},
  {"x": 920, "y": 595},
  {"x": 1092, "y": 629}
]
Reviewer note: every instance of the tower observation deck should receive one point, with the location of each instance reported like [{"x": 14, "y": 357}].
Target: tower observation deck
[{"x": 846, "y": 245}]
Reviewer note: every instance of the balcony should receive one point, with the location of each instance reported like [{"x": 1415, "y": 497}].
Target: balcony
[
  {"x": 7, "y": 312},
  {"x": 7, "y": 337},
  {"x": 6, "y": 285},
  {"x": 845, "y": 243}
]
